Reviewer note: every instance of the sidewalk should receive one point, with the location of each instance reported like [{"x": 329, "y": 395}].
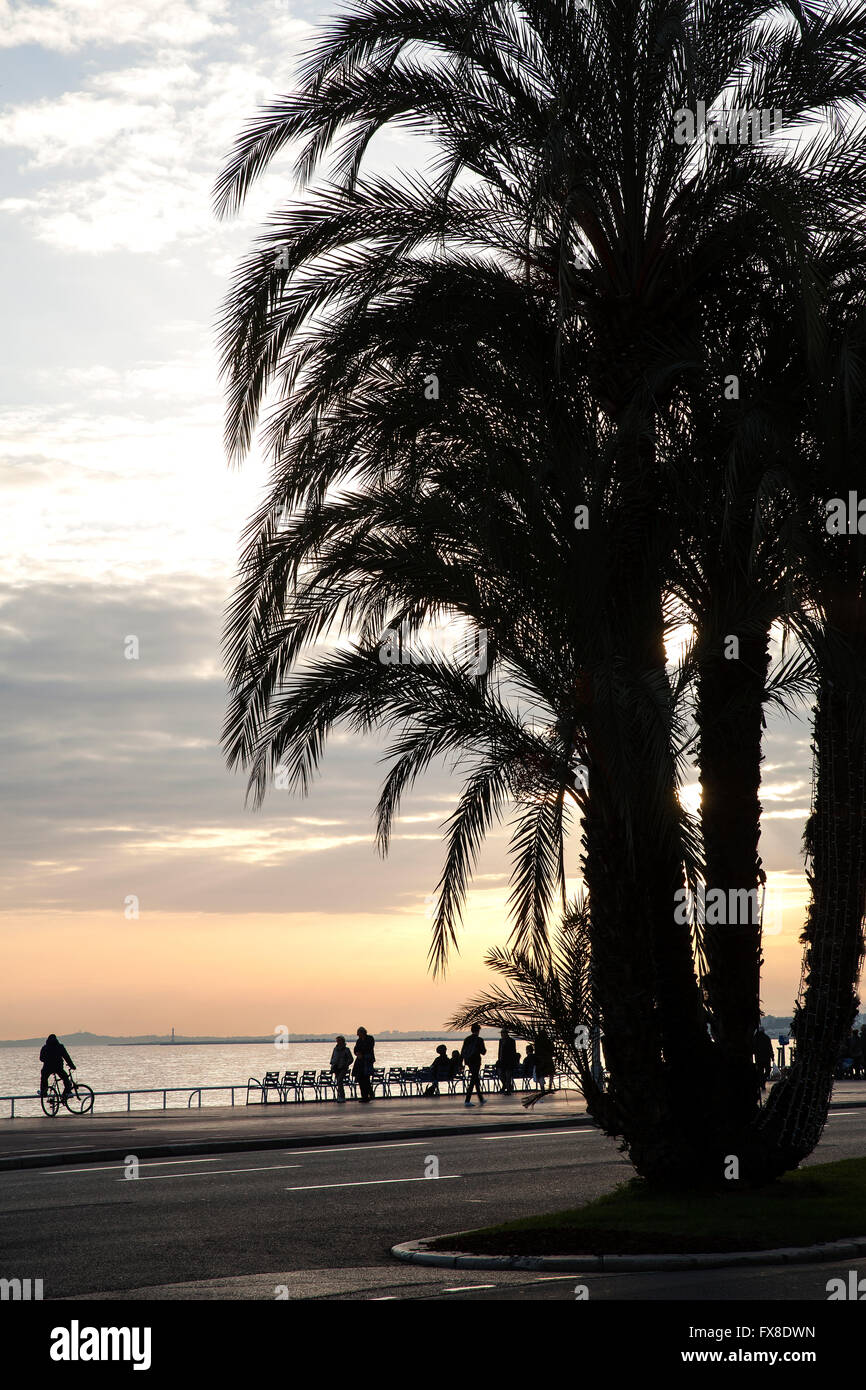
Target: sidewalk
[
  {"x": 36, "y": 1142},
  {"x": 42, "y": 1142}
]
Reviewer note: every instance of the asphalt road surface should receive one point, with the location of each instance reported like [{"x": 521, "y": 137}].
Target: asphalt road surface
[{"x": 319, "y": 1223}]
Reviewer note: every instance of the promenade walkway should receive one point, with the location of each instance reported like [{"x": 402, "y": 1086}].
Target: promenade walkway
[{"x": 38, "y": 1141}]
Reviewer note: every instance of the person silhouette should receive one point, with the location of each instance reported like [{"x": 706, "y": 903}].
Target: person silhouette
[
  {"x": 52, "y": 1056},
  {"x": 544, "y": 1063},
  {"x": 365, "y": 1060},
  {"x": 763, "y": 1054},
  {"x": 507, "y": 1061},
  {"x": 472, "y": 1051},
  {"x": 439, "y": 1070},
  {"x": 341, "y": 1061}
]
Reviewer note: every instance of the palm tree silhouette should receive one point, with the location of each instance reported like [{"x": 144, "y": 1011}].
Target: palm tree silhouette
[{"x": 465, "y": 362}]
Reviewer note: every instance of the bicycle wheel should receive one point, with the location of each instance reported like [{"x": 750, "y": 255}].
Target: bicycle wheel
[
  {"x": 80, "y": 1099},
  {"x": 53, "y": 1098}
]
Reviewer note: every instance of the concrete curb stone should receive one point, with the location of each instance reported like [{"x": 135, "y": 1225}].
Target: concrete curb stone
[{"x": 416, "y": 1252}]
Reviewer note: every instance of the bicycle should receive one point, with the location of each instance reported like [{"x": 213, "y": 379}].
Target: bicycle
[{"x": 78, "y": 1099}]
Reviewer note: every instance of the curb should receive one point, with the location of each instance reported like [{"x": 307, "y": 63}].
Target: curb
[
  {"x": 416, "y": 1252},
  {"x": 218, "y": 1146}
]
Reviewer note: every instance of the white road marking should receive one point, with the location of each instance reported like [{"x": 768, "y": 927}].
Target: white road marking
[
  {"x": 218, "y": 1158},
  {"x": 50, "y": 1153},
  {"x": 113, "y": 1167},
  {"x": 360, "y": 1148},
  {"x": 168, "y": 1177},
  {"x": 462, "y": 1288},
  {"x": 371, "y": 1182},
  {"x": 542, "y": 1134},
  {"x": 305, "y": 1153}
]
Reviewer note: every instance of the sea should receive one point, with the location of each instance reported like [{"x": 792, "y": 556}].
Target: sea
[{"x": 144, "y": 1066}]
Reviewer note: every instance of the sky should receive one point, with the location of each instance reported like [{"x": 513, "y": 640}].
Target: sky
[{"x": 139, "y": 892}]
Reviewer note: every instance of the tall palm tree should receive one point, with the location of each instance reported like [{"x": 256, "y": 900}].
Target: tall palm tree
[
  {"x": 832, "y": 627},
  {"x": 561, "y": 209},
  {"x": 733, "y": 575}
]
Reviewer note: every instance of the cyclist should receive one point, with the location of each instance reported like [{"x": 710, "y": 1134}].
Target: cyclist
[{"x": 52, "y": 1057}]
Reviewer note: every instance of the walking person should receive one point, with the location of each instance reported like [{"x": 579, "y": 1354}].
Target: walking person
[
  {"x": 52, "y": 1056},
  {"x": 471, "y": 1052},
  {"x": 341, "y": 1061},
  {"x": 365, "y": 1060},
  {"x": 506, "y": 1062}
]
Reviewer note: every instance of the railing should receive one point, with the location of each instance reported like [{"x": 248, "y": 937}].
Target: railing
[{"x": 193, "y": 1095}]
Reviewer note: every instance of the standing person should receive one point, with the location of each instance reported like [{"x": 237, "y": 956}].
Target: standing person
[
  {"x": 471, "y": 1052},
  {"x": 763, "y": 1056},
  {"x": 507, "y": 1061},
  {"x": 341, "y": 1061},
  {"x": 544, "y": 1064},
  {"x": 529, "y": 1063},
  {"x": 365, "y": 1060},
  {"x": 52, "y": 1056}
]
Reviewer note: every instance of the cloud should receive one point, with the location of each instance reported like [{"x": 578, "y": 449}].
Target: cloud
[
  {"x": 127, "y": 162},
  {"x": 67, "y": 26},
  {"x": 119, "y": 785},
  {"x": 125, "y": 478}
]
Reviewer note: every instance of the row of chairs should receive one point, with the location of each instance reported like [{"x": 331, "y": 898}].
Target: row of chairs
[{"x": 395, "y": 1081}]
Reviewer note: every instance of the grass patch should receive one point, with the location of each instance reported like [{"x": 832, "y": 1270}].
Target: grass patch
[{"x": 824, "y": 1202}]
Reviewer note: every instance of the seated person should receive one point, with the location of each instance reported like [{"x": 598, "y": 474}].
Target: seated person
[{"x": 439, "y": 1070}]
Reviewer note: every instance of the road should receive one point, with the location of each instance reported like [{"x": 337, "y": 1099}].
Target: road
[{"x": 319, "y": 1223}]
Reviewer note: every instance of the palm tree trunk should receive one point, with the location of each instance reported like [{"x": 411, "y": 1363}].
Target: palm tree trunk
[
  {"x": 656, "y": 1043},
  {"x": 791, "y": 1122},
  {"x": 635, "y": 1104},
  {"x": 730, "y": 718}
]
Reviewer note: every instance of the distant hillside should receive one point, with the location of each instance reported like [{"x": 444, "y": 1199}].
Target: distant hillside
[
  {"x": 772, "y": 1024},
  {"x": 144, "y": 1039}
]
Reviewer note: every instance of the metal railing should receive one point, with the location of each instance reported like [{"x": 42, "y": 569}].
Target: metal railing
[{"x": 193, "y": 1096}]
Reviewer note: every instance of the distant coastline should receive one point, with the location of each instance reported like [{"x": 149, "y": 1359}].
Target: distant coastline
[
  {"x": 165, "y": 1040},
  {"x": 772, "y": 1024}
]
